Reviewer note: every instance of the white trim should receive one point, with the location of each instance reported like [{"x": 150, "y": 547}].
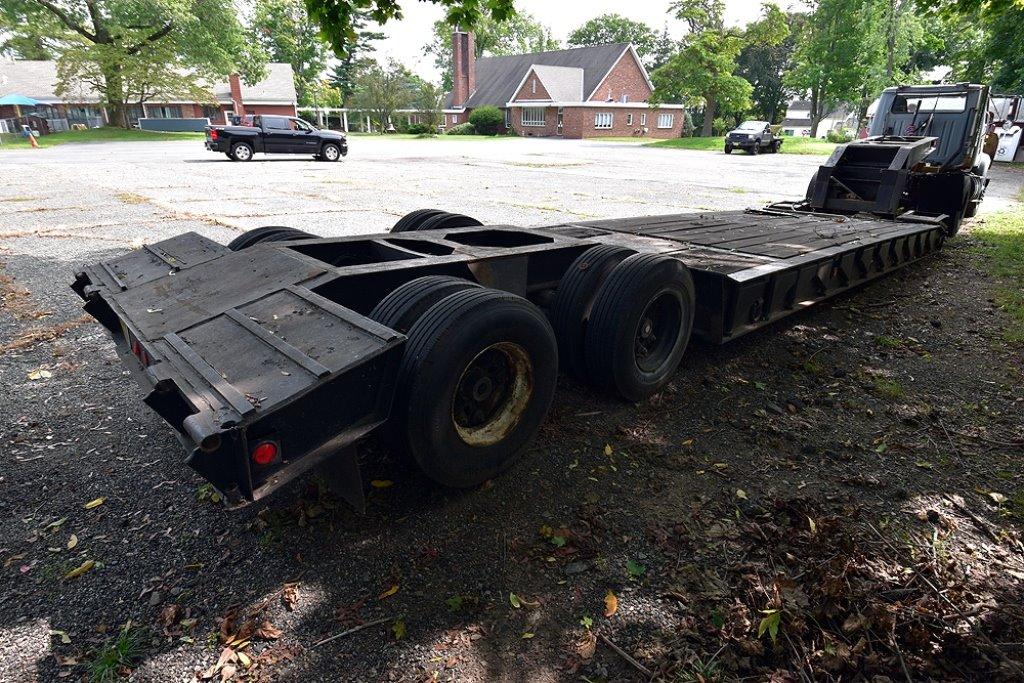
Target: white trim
[
  {"x": 523, "y": 82},
  {"x": 643, "y": 69},
  {"x": 612, "y": 105}
]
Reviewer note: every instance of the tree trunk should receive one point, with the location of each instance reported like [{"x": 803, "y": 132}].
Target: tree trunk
[
  {"x": 710, "y": 107},
  {"x": 114, "y": 93},
  {"x": 815, "y": 112}
]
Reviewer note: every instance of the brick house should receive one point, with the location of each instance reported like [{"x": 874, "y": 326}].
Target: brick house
[
  {"x": 38, "y": 80},
  {"x": 582, "y": 92}
]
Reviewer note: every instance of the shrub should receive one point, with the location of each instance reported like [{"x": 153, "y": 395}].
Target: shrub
[
  {"x": 462, "y": 129},
  {"x": 840, "y": 135},
  {"x": 419, "y": 129},
  {"x": 487, "y": 120}
]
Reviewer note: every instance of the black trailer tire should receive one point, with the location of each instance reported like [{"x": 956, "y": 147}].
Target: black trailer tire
[
  {"x": 330, "y": 152},
  {"x": 409, "y": 221},
  {"x": 728, "y": 149},
  {"x": 574, "y": 300},
  {"x": 268, "y": 233},
  {"x": 241, "y": 151},
  {"x": 448, "y": 221},
  {"x": 475, "y": 383},
  {"x": 640, "y": 325},
  {"x": 400, "y": 309}
]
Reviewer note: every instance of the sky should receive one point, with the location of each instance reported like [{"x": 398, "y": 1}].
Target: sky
[{"x": 406, "y": 38}]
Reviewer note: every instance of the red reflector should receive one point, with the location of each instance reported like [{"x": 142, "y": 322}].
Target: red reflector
[
  {"x": 213, "y": 135},
  {"x": 265, "y": 453}
]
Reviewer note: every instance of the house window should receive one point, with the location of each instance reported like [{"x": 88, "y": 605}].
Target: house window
[
  {"x": 604, "y": 120},
  {"x": 666, "y": 120},
  {"x": 455, "y": 119},
  {"x": 643, "y": 119},
  {"x": 171, "y": 111},
  {"x": 624, "y": 99},
  {"x": 533, "y": 116},
  {"x": 629, "y": 119}
]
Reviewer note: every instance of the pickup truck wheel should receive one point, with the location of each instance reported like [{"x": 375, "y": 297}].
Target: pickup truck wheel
[
  {"x": 775, "y": 146},
  {"x": 400, "y": 309},
  {"x": 640, "y": 325},
  {"x": 475, "y": 383},
  {"x": 330, "y": 152},
  {"x": 241, "y": 151},
  {"x": 728, "y": 149},
  {"x": 755, "y": 148},
  {"x": 574, "y": 300},
  {"x": 268, "y": 233}
]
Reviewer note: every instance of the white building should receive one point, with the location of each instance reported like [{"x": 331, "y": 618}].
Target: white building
[{"x": 798, "y": 119}]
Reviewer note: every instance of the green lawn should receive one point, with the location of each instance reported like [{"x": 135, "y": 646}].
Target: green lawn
[
  {"x": 95, "y": 135},
  {"x": 791, "y": 145},
  {"x": 1002, "y": 239}
]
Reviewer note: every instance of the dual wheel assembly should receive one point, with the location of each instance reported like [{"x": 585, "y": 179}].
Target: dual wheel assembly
[{"x": 480, "y": 366}]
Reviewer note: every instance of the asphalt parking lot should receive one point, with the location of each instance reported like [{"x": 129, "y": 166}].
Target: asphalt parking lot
[{"x": 436, "y": 568}]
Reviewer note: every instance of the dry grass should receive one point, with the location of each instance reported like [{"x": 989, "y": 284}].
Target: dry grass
[
  {"x": 17, "y": 300},
  {"x": 38, "y": 335}
]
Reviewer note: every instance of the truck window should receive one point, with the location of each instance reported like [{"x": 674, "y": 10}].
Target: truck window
[
  {"x": 942, "y": 104},
  {"x": 275, "y": 123},
  {"x": 299, "y": 124}
]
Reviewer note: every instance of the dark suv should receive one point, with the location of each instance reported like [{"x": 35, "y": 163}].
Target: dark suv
[{"x": 753, "y": 136}]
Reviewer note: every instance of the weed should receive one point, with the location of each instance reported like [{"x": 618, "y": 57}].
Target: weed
[
  {"x": 889, "y": 388},
  {"x": 117, "y": 653},
  {"x": 889, "y": 342},
  {"x": 1002, "y": 237}
]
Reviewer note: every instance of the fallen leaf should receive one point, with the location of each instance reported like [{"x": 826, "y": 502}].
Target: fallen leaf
[
  {"x": 268, "y": 631},
  {"x": 80, "y": 569},
  {"x": 587, "y": 646},
  {"x": 528, "y": 635},
  {"x": 634, "y": 569},
  {"x": 40, "y": 374},
  {"x": 607, "y": 449},
  {"x": 227, "y": 671},
  {"x": 611, "y": 604},
  {"x": 244, "y": 660},
  {"x": 95, "y": 503},
  {"x": 64, "y": 637},
  {"x": 513, "y": 600},
  {"x": 290, "y": 595},
  {"x": 997, "y": 498},
  {"x": 381, "y": 483},
  {"x": 72, "y": 542},
  {"x": 741, "y": 494},
  {"x": 398, "y": 628},
  {"x": 388, "y": 593}
]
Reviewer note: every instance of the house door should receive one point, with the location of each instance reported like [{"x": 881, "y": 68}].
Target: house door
[{"x": 561, "y": 116}]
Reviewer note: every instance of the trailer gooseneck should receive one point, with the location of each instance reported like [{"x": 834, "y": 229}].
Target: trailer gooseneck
[{"x": 280, "y": 350}]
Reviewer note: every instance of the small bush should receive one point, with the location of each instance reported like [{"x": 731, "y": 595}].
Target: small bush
[
  {"x": 462, "y": 129},
  {"x": 487, "y": 120},
  {"x": 839, "y": 136},
  {"x": 419, "y": 129}
]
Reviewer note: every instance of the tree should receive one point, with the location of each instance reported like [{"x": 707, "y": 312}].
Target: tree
[
  {"x": 615, "y": 28},
  {"x": 487, "y": 119},
  {"x": 113, "y": 42},
  {"x": 704, "y": 68},
  {"x": 337, "y": 18},
  {"x": 520, "y": 34},
  {"x": 344, "y": 72},
  {"x": 285, "y": 33},
  {"x": 825, "y": 67},
  {"x": 765, "y": 59},
  {"x": 382, "y": 90}
]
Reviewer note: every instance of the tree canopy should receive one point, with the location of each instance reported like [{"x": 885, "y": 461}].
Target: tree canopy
[
  {"x": 615, "y": 28},
  {"x": 518, "y": 35},
  {"x": 284, "y": 32}
]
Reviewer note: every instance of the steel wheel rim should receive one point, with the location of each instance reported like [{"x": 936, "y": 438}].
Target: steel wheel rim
[
  {"x": 492, "y": 394},
  {"x": 657, "y": 331},
  {"x": 242, "y": 152},
  {"x": 331, "y": 153}
]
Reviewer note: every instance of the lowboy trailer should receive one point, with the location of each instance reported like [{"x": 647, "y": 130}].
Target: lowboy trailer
[
  {"x": 280, "y": 350},
  {"x": 272, "y": 358}
]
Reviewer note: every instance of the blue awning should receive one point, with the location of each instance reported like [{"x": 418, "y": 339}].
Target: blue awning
[{"x": 19, "y": 100}]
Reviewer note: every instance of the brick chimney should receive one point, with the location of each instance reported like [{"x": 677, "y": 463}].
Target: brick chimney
[
  {"x": 464, "y": 59},
  {"x": 236, "y": 94}
]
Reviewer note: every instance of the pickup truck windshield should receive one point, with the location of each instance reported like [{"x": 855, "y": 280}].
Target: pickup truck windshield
[{"x": 752, "y": 125}]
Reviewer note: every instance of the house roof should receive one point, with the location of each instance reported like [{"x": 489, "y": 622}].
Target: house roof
[
  {"x": 498, "y": 78},
  {"x": 563, "y": 83},
  {"x": 38, "y": 80}
]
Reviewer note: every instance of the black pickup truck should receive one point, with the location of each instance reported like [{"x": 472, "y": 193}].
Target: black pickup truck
[{"x": 276, "y": 135}]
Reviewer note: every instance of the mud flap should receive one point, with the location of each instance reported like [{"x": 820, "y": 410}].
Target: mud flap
[{"x": 345, "y": 478}]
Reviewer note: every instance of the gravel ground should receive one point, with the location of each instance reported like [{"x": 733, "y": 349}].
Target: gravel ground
[{"x": 884, "y": 400}]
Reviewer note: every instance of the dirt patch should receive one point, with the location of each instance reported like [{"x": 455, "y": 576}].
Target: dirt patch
[
  {"x": 37, "y": 335},
  {"x": 18, "y": 300}
]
